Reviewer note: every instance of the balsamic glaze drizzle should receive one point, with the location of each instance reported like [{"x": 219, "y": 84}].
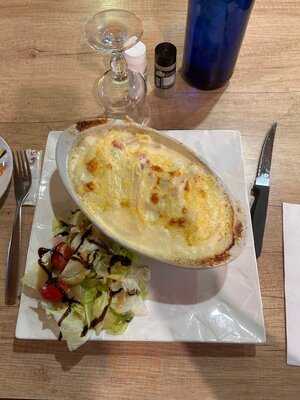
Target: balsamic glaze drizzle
[
  {"x": 83, "y": 237},
  {"x": 90, "y": 263},
  {"x": 65, "y": 314},
  {"x": 63, "y": 223},
  {"x": 84, "y": 330},
  {"x": 102, "y": 245},
  {"x": 124, "y": 260},
  {"x": 64, "y": 233},
  {"x": 132, "y": 292},
  {"x": 96, "y": 321},
  {"x": 42, "y": 251}
]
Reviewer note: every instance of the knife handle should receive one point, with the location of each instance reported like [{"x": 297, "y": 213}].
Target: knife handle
[{"x": 258, "y": 215}]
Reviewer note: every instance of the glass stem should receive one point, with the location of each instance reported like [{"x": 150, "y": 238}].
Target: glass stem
[{"x": 118, "y": 66}]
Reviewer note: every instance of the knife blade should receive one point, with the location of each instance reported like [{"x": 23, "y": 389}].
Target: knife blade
[{"x": 261, "y": 190}]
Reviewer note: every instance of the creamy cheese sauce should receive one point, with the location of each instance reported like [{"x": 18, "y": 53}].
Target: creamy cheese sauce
[{"x": 153, "y": 197}]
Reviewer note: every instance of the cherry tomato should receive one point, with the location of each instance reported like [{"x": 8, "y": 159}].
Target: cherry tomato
[
  {"x": 54, "y": 292},
  {"x": 60, "y": 256},
  {"x": 62, "y": 285},
  {"x": 51, "y": 292}
]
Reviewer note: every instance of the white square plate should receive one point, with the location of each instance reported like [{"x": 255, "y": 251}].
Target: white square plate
[{"x": 220, "y": 305}]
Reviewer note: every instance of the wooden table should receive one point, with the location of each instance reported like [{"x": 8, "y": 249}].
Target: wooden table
[{"x": 47, "y": 75}]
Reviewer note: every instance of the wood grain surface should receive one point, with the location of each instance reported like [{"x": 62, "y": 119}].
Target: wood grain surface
[{"x": 47, "y": 75}]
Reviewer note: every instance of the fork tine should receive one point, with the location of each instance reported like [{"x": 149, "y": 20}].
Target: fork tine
[
  {"x": 27, "y": 166},
  {"x": 16, "y": 165},
  {"x": 22, "y": 163}
]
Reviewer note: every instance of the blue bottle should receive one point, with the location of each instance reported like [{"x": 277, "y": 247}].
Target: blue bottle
[{"x": 214, "y": 34}]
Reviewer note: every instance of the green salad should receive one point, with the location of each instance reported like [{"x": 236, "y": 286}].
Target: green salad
[{"x": 86, "y": 283}]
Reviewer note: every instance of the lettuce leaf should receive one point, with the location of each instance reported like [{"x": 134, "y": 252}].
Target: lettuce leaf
[
  {"x": 35, "y": 277},
  {"x": 71, "y": 329},
  {"x": 88, "y": 282},
  {"x": 102, "y": 286},
  {"x": 142, "y": 276},
  {"x": 54, "y": 310},
  {"x": 74, "y": 272},
  {"x": 98, "y": 307},
  {"x": 86, "y": 249},
  {"x": 72, "y": 326},
  {"x": 79, "y": 310},
  {"x": 122, "y": 251},
  {"x": 76, "y": 240},
  {"x": 88, "y": 310},
  {"x": 116, "y": 323},
  {"x": 118, "y": 272},
  {"x": 114, "y": 285},
  {"x": 101, "y": 264},
  {"x": 59, "y": 227},
  {"x": 130, "y": 284},
  {"x": 137, "y": 280},
  {"x": 88, "y": 295},
  {"x": 123, "y": 303},
  {"x": 79, "y": 220}
]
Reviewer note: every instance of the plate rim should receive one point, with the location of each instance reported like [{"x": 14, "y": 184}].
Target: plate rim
[
  {"x": 260, "y": 340},
  {"x": 3, "y": 187}
]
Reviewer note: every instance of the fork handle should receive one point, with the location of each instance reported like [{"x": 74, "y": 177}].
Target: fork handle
[{"x": 13, "y": 270}]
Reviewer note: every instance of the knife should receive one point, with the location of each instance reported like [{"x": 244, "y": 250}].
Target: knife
[{"x": 261, "y": 190}]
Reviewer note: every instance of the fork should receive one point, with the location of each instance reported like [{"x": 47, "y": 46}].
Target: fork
[{"x": 22, "y": 183}]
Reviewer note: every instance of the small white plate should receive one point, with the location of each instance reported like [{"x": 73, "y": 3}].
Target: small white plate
[{"x": 8, "y": 160}]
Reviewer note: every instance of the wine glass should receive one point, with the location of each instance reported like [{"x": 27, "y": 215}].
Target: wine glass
[{"x": 121, "y": 91}]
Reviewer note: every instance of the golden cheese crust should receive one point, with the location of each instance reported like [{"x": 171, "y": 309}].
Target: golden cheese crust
[{"x": 152, "y": 196}]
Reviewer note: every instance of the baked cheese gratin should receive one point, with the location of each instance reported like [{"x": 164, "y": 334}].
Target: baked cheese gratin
[{"x": 156, "y": 199}]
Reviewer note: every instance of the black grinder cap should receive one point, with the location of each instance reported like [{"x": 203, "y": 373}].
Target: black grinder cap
[{"x": 165, "y": 54}]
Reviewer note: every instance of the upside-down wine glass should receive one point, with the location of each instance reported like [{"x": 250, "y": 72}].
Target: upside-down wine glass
[{"x": 120, "y": 91}]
